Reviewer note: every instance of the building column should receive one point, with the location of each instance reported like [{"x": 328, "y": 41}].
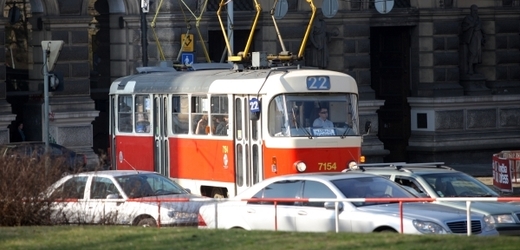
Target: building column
[{"x": 6, "y": 116}]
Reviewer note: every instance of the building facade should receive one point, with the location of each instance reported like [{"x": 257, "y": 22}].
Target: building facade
[{"x": 411, "y": 60}]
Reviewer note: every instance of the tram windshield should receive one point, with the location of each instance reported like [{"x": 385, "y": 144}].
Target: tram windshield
[{"x": 314, "y": 115}]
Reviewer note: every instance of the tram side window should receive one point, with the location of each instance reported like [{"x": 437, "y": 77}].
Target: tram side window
[
  {"x": 180, "y": 114},
  {"x": 219, "y": 114},
  {"x": 199, "y": 114},
  {"x": 142, "y": 113},
  {"x": 125, "y": 113}
]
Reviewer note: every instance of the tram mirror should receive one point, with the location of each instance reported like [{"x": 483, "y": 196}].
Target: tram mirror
[{"x": 368, "y": 126}]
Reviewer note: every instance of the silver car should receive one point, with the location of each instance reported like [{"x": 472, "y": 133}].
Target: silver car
[
  {"x": 319, "y": 216},
  {"x": 436, "y": 180},
  {"x": 122, "y": 197}
]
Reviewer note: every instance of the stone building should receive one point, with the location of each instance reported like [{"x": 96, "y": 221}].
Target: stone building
[{"x": 406, "y": 63}]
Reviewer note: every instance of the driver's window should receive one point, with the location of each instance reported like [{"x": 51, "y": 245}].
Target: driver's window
[{"x": 314, "y": 189}]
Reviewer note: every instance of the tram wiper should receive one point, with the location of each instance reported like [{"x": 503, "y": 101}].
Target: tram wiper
[
  {"x": 347, "y": 129},
  {"x": 309, "y": 135}
]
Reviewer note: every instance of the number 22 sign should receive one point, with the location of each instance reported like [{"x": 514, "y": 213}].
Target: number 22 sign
[{"x": 254, "y": 105}]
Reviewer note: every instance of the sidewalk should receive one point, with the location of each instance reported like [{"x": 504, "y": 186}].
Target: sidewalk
[{"x": 489, "y": 181}]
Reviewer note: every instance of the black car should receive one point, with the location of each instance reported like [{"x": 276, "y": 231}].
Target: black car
[{"x": 74, "y": 162}]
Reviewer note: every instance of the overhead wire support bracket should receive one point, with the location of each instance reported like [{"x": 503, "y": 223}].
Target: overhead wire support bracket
[
  {"x": 197, "y": 26},
  {"x": 243, "y": 55}
]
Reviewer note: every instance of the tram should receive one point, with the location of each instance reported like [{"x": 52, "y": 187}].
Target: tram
[{"x": 219, "y": 131}]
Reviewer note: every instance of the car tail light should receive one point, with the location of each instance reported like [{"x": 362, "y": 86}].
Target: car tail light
[{"x": 202, "y": 223}]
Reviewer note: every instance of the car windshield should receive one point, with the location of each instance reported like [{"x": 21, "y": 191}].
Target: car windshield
[
  {"x": 145, "y": 185},
  {"x": 458, "y": 185},
  {"x": 370, "y": 187}
]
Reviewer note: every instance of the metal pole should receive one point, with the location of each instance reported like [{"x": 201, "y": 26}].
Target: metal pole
[
  {"x": 144, "y": 40},
  {"x": 45, "y": 134},
  {"x": 230, "y": 26}
]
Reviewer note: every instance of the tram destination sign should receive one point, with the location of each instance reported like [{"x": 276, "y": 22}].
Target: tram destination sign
[{"x": 318, "y": 83}]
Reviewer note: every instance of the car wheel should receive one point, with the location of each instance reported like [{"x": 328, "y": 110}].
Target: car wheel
[
  {"x": 217, "y": 193},
  {"x": 387, "y": 230},
  {"x": 147, "y": 222}
]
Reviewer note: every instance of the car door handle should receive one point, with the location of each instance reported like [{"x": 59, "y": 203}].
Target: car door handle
[
  {"x": 302, "y": 212},
  {"x": 251, "y": 211}
]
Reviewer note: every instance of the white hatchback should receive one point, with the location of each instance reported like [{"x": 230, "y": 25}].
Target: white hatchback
[{"x": 138, "y": 198}]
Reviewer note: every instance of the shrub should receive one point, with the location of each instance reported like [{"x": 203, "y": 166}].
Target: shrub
[{"x": 23, "y": 181}]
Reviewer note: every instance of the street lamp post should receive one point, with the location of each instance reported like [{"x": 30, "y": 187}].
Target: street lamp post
[{"x": 145, "y": 5}]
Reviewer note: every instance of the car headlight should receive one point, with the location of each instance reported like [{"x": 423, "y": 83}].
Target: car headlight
[
  {"x": 428, "y": 227},
  {"x": 503, "y": 218},
  {"x": 489, "y": 221}
]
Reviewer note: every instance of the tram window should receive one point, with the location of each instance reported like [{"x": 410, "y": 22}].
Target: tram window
[
  {"x": 180, "y": 114},
  {"x": 125, "y": 113},
  {"x": 219, "y": 114},
  {"x": 238, "y": 119},
  {"x": 142, "y": 113},
  {"x": 199, "y": 113},
  {"x": 219, "y": 104}
]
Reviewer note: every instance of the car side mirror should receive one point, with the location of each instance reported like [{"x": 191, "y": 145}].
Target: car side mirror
[
  {"x": 112, "y": 196},
  {"x": 188, "y": 190},
  {"x": 331, "y": 205}
]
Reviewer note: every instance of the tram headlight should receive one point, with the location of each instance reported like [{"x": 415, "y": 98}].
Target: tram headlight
[
  {"x": 300, "y": 166},
  {"x": 353, "y": 165}
]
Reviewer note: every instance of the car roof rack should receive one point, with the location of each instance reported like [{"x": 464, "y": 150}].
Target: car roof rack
[{"x": 404, "y": 165}]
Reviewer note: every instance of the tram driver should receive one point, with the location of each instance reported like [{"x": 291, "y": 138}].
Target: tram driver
[{"x": 322, "y": 121}]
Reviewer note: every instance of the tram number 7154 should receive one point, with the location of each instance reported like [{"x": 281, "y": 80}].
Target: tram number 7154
[{"x": 326, "y": 166}]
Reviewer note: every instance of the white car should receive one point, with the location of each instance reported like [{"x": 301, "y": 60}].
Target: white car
[
  {"x": 318, "y": 216},
  {"x": 436, "y": 180},
  {"x": 122, "y": 197}
]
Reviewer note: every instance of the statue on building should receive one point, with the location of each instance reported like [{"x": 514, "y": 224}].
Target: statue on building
[
  {"x": 471, "y": 40},
  {"x": 320, "y": 37}
]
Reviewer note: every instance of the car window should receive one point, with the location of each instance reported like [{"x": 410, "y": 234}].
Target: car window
[
  {"x": 458, "y": 184},
  {"x": 73, "y": 188},
  {"x": 280, "y": 189},
  {"x": 101, "y": 187},
  {"x": 143, "y": 185},
  {"x": 314, "y": 189},
  {"x": 370, "y": 187},
  {"x": 410, "y": 182}
]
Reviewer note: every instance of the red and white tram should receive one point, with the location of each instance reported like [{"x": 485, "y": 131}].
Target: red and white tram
[{"x": 219, "y": 131}]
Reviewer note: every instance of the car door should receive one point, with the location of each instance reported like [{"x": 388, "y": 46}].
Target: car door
[
  {"x": 105, "y": 201},
  {"x": 313, "y": 216},
  {"x": 70, "y": 203},
  {"x": 264, "y": 216}
]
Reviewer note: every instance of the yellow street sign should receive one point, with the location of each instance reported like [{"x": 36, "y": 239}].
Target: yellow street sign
[{"x": 187, "y": 42}]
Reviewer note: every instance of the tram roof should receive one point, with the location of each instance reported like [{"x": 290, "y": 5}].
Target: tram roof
[{"x": 221, "y": 81}]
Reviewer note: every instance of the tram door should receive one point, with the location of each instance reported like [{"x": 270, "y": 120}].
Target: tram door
[
  {"x": 248, "y": 148},
  {"x": 112, "y": 132},
  {"x": 160, "y": 133}
]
